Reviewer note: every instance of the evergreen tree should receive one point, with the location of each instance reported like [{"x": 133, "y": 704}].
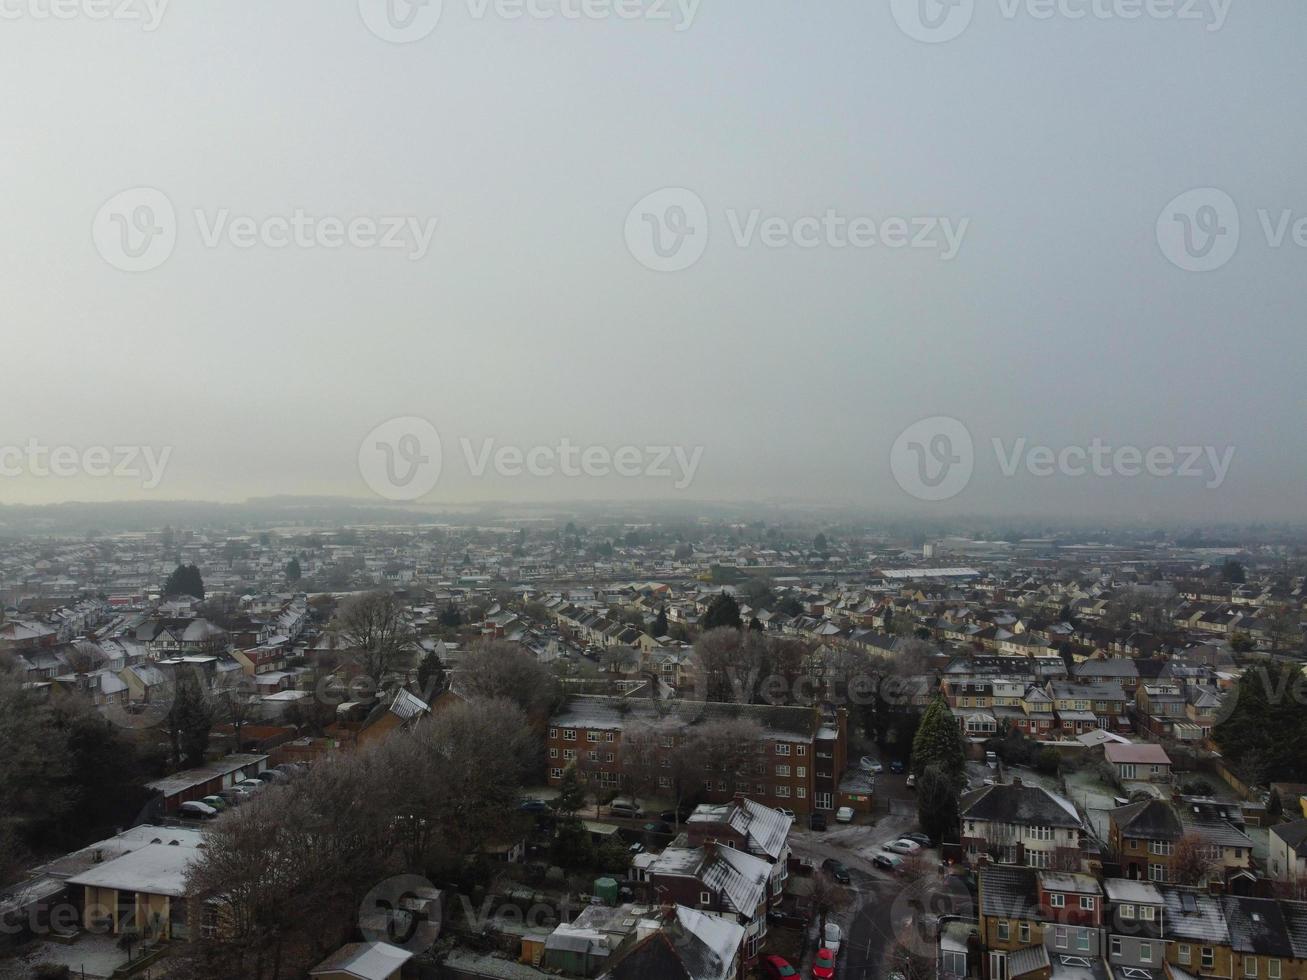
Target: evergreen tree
[
  {"x": 431, "y": 674},
  {"x": 937, "y": 804},
  {"x": 722, "y": 611},
  {"x": 451, "y": 617},
  {"x": 571, "y": 793},
  {"x": 185, "y": 580},
  {"x": 938, "y": 742},
  {"x": 660, "y": 623},
  {"x": 755, "y": 624},
  {"x": 189, "y": 721},
  {"x": 1265, "y": 735},
  {"x": 293, "y": 572},
  {"x": 819, "y": 544}
]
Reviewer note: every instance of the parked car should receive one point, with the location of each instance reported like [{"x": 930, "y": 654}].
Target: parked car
[
  {"x": 991, "y": 759},
  {"x": 217, "y": 802},
  {"x": 658, "y": 827},
  {"x": 235, "y": 795},
  {"x": 832, "y": 938},
  {"x": 293, "y": 769},
  {"x": 912, "y": 781},
  {"x": 788, "y": 813},
  {"x": 902, "y": 846},
  {"x": 837, "y": 870},
  {"x": 251, "y": 785},
  {"x": 887, "y": 862},
  {"x": 778, "y": 968},
  {"x": 817, "y": 821},
  {"x": 195, "y": 810},
  {"x": 897, "y": 766},
  {"x": 921, "y": 839},
  {"x": 677, "y": 816},
  {"x": 844, "y": 814},
  {"x": 532, "y": 806},
  {"x": 870, "y": 764},
  {"x": 625, "y": 808},
  {"x": 272, "y": 776},
  {"x": 823, "y": 965},
  {"x": 790, "y": 916}
]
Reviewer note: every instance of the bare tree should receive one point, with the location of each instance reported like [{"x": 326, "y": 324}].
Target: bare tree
[
  {"x": 376, "y": 626},
  {"x": 827, "y": 896},
  {"x": 1191, "y": 862},
  {"x": 499, "y": 669}
]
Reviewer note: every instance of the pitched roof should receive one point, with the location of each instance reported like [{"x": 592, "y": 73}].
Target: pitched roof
[
  {"x": 1146, "y": 753},
  {"x": 367, "y": 961},
  {"x": 1150, "y": 819},
  {"x": 1019, "y": 804}
]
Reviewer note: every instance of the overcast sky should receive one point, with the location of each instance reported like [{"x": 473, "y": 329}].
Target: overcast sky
[{"x": 1045, "y": 293}]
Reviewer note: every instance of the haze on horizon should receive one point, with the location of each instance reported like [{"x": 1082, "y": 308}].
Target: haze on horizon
[{"x": 525, "y": 320}]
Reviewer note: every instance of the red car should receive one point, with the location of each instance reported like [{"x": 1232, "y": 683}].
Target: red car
[
  {"x": 778, "y": 968},
  {"x": 823, "y": 967}
]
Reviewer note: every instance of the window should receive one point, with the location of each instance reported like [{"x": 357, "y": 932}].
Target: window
[
  {"x": 1126, "y": 911},
  {"x": 1082, "y": 940},
  {"x": 1087, "y": 902},
  {"x": 1023, "y": 932},
  {"x": 801, "y": 772},
  {"x": 1162, "y": 847},
  {"x": 569, "y": 734},
  {"x": 1003, "y": 931},
  {"x": 782, "y": 770},
  {"x": 555, "y": 774},
  {"x": 608, "y": 736},
  {"x": 1182, "y": 954},
  {"x": 705, "y": 898},
  {"x": 1157, "y": 872},
  {"x": 553, "y": 733},
  {"x": 1057, "y": 901},
  {"x": 1250, "y": 966},
  {"x": 1208, "y": 958},
  {"x": 592, "y": 756},
  {"x": 782, "y": 748},
  {"x": 608, "y": 757},
  {"x": 1060, "y": 937},
  {"x": 664, "y": 782},
  {"x": 783, "y": 792},
  {"x": 569, "y": 754},
  {"x": 1273, "y": 969},
  {"x": 1145, "y": 952},
  {"x": 801, "y": 792},
  {"x": 1116, "y": 945},
  {"x": 592, "y": 736},
  {"x": 553, "y": 753},
  {"x": 669, "y": 741},
  {"x": 1147, "y": 913},
  {"x": 954, "y": 963}
]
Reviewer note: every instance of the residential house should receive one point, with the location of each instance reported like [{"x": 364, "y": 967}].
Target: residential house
[
  {"x": 1018, "y": 824},
  {"x": 1142, "y": 761}
]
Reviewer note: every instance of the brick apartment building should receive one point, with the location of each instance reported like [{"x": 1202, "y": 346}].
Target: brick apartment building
[{"x": 799, "y": 763}]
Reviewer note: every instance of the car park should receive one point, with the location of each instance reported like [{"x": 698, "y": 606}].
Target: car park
[
  {"x": 823, "y": 965},
  {"x": 901, "y": 846},
  {"x": 844, "y": 814},
  {"x": 832, "y": 937},
  {"x": 837, "y": 870},
  {"x": 921, "y": 839},
  {"x": 887, "y": 862},
  {"x": 195, "y": 810},
  {"x": 777, "y": 968}
]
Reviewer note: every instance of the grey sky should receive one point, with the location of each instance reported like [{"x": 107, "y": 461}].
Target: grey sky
[{"x": 529, "y": 320}]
